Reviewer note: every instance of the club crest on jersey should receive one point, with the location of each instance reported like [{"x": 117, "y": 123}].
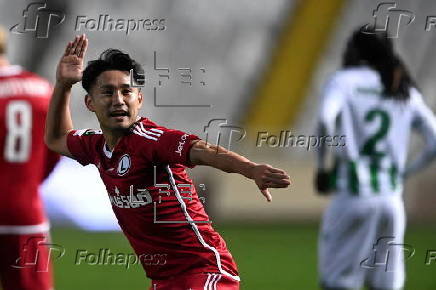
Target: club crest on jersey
[{"x": 124, "y": 164}]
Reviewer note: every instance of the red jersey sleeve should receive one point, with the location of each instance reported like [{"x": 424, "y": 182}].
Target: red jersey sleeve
[
  {"x": 79, "y": 144},
  {"x": 173, "y": 147},
  {"x": 166, "y": 146}
]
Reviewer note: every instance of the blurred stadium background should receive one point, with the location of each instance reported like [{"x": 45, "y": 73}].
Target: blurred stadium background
[{"x": 258, "y": 65}]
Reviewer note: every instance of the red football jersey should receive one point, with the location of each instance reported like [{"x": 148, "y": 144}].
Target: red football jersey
[
  {"x": 154, "y": 200},
  {"x": 24, "y": 158}
]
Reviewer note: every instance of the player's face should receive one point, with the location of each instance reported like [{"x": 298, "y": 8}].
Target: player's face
[{"x": 115, "y": 103}]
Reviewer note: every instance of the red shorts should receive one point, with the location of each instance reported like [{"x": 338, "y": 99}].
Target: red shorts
[
  {"x": 205, "y": 281},
  {"x": 25, "y": 262}
]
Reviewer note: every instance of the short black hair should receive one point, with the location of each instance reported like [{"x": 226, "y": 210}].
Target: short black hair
[{"x": 111, "y": 59}]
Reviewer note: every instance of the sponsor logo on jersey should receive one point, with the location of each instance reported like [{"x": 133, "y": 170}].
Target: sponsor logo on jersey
[
  {"x": 85, "y": 132},
  {"x": 142, "y": 197},
  {"x": 124, "y": 165},
  {"x": 92, "y": 132},
  {"x": 181, "y": 144}
]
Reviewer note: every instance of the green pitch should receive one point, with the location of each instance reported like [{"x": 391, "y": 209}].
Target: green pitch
[{"x": 281, "y": 256}]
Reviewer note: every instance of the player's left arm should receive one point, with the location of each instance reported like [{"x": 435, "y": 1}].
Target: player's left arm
[
  {"x": 265, "y": 176},
  {"x": 425, "y": 123}
]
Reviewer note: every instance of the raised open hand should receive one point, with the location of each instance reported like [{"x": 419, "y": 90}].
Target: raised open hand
[{"x": 70, "y": 67}]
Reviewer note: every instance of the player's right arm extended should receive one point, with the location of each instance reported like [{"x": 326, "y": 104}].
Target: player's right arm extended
[
  {"x": 265, "y": 176},
  {"x": 69, "y": 71},
  {"x": 331, "y": 106}
]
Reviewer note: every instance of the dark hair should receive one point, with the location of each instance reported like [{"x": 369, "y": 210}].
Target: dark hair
[
  {"x": 369, "y": 46},
  {"x": 111, "y": 59}
]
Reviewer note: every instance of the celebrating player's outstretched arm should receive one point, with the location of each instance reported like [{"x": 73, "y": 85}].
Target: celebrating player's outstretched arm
[
  {"x": 264, "y": 175},
  {"x": 69, "y": 72}
]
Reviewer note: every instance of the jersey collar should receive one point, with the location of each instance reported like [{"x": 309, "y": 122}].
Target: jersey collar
[{"x": 106, "y": 151}]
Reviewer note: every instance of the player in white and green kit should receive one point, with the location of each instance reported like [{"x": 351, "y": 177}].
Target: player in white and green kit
[{"x": 375, "y": 104}]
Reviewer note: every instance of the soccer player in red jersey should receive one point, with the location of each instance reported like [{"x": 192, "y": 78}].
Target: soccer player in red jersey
[
  {"x": 143, "y": 167},
  {"x": 25, "y": 161}
]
